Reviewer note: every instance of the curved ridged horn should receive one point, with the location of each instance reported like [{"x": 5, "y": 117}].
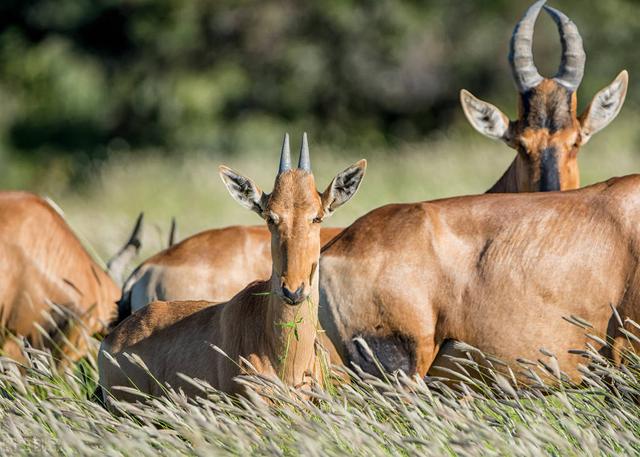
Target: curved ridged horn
[
  {"x": 285, "y": 155},
  {"x": 305, "y": 162},
  {"x": 573, "y": 55},
  {"x": 524, "y": 70}
]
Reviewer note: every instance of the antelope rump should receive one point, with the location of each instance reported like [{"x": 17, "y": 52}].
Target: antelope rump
[{"x": 52, "y": 293}]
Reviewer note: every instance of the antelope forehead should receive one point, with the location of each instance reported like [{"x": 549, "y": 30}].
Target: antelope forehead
[
  {"x": 295, "y": 194},
  {"x": 548, "y": 107},
  {"x": 293, "y": 208}
]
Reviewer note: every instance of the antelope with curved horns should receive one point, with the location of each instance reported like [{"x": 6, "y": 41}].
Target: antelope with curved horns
[
  {"x": 548, "y": 132},
  {"x": 497, "y": 271},
  {"x": 272, "y": 324},
  {"x": 49, "y": 283}
]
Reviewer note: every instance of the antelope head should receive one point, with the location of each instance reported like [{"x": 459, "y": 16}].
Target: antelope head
[
  {"x": 548, "y": 132},
  {"x": 293, "y": 212}
]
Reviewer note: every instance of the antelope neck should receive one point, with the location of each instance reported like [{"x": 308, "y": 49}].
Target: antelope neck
[{"x": 292, "y": 331}]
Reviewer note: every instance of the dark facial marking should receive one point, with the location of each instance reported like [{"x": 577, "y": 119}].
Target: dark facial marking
[
  {"x": 547, "y": 109},
  {"x": 549, "y": 176},
  {"x": 394, "y": 352}
]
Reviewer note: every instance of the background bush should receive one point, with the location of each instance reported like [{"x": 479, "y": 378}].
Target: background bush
[{"x": 81, "y": 78}]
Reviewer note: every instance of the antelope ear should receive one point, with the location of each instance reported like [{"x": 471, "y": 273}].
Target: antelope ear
[
  {"x": 243, "y": 190},
  {"x": 604, "y": 107},
  {"x": 343, "y": 187},
  {"x": 484, "y": 117}
]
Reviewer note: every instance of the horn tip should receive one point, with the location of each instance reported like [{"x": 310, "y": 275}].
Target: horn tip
[
  {"x": 556, "y": 14},
  {"x": 305, "y": 162},
  {"x": 537, "y": 6},
  {"x": 285, "y": 155}
]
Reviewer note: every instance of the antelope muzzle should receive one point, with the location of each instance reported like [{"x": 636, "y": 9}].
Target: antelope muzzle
[{"x": 293, "y": 297}]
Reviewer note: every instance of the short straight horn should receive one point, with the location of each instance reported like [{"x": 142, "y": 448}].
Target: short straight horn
[
  {"x": 285, "y": 155},
  {"x": 573, "y": 55},
  {"x": 524, "y": 70},
  {"x": 305, "y": 162}
]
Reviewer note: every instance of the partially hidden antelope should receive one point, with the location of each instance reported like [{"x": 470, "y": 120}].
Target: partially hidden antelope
[
  {"x": 548, "y": 133},
  {"x": 52, "y": 293},
  {"x": 215, "y": 264},
  {"x": 504, "y": 273},
  {"x": 271, "y": 324}
]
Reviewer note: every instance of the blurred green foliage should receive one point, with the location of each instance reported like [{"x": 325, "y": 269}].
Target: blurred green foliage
[{"x": 82, "y": 78}]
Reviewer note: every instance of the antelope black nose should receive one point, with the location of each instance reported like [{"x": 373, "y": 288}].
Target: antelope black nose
[{"x": 293, "y": 297}]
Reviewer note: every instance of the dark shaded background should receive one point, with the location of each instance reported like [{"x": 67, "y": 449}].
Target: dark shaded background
[{"x": 81, "y": 78}]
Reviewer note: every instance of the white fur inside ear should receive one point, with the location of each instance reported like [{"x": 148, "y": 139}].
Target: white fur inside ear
[
  {"x": 484, "y": 117},
  {"x": 605, "y": 106},
  {"x": 343, "y": 187},
  {"x": 242, "y": 189}
]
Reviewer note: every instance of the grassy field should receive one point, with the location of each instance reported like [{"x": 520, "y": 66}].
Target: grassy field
[{"x": 48, "y": 413}]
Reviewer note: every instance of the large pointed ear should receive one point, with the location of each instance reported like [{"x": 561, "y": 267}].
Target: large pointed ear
[
  {"x": 604, "y": 107},
  {"x": 343, "y": 187},
  {"x": 484, "y": 117},
  {"x": 244, "y": 190}
]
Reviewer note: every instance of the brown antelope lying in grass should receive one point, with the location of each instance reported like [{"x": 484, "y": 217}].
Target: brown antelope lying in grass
[
  {"x": 497, "y": 271},
  {"x": 215, "y": 264},
  {"x": 271, "y": 323},
  {"x": 48, "y": 280}
]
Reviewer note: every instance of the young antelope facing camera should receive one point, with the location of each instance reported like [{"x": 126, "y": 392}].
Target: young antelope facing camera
[{"x": 272, "y": 324}]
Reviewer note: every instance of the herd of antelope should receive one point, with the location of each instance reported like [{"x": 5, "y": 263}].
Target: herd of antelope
[{"x": 395, "y": 290}]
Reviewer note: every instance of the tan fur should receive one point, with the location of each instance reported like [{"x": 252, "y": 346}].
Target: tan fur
[
  {"x": 496, "y": 271},
  {"x": 42, "y": 262},
  {"x": 256, "y": 324}
]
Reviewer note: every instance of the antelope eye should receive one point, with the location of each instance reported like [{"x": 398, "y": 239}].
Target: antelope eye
[
  {"x": 317, "y": 220},
  {"x": 271, "y": 219}
]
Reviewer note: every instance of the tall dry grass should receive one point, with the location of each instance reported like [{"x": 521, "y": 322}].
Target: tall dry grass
[{"x": 48, "y": 413}]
